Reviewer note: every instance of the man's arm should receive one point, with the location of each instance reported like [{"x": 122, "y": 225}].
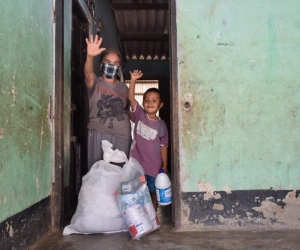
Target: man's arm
[
  {"x": 164, "y": 157},
  {"x": 93, "y": 49},
  {"x": 89, "y": 71}
]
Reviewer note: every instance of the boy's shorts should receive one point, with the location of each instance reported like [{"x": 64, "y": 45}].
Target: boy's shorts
[{"x": 151, "y": 183}]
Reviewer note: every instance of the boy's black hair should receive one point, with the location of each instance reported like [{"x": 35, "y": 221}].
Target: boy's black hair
[
  {"x": 110, "y": 51},
  {"x": 153, "y": 90}
]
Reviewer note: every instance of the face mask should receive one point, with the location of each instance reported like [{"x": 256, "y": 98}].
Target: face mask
[{"x": 109, "y": 70}]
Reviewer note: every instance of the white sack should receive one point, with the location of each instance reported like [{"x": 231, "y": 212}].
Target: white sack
[{"x": 97, "y": 210}]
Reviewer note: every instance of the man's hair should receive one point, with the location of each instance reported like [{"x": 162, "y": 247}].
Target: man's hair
[
  {"x": 155, "y": 90},
  {"x": 110, "y": 51}
]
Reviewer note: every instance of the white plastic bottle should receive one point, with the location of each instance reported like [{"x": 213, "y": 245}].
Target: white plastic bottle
[{"x": 163, "y": 189}]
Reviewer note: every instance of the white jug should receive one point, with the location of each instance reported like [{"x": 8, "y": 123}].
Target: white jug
[{"x": 163, "y": 189}]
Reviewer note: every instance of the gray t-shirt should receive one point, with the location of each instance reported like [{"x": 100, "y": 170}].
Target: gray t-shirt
[{"x": 108, "y": 113}]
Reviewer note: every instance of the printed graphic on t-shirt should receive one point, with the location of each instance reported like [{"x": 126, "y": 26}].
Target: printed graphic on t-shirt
[
  {"x": 110, "y": 107},
  {"x": 106, "y": 91},
  {"x": 145, "y": 131}
]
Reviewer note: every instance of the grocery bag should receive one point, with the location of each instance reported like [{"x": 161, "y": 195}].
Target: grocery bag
[{"x": 135, "y": 201}]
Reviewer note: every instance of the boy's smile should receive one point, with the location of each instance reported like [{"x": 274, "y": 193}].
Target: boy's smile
[{"x": 152, "y": 104}]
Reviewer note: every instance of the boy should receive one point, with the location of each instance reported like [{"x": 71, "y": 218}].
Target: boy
[{"x": 150, "y": 144}]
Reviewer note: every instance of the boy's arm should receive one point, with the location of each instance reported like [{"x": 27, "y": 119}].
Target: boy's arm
[
  {"x": 136, "y": 74},
  {"x": 164, "y": 157},
  {"x": 93, "y": 49}
]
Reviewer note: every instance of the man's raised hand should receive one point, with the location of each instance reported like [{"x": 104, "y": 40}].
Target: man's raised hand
[{"x": 93, "y": 46}]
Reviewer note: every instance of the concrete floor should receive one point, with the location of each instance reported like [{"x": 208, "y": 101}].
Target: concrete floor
[{"x": 167, "y": 238}]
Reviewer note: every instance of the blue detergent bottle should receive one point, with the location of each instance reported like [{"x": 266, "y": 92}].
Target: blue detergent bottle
[{"x": 163, "y": 188}]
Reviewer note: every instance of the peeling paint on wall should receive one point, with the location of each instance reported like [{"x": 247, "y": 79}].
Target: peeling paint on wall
[
  {"x": 210, "y": 193},
  {"x": 227, "y": 189},
  {"x": 13, "y": 92},
  {"x": 37, "y": 183},
  {"x": 2, "y": 130},
  {"x": 41, "y": 136},
  {"x": 218, "y": 206},
  {"x": 288, "y": 214},
  {"x": 11, "y": 231},
  {"x": 22, "y": 230},
  {"x": 236, "y": 210}
]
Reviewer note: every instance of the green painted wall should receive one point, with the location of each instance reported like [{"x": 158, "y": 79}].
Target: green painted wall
[
  {"x": 238, "y": 69},
  {"x": 25, "y": 85}
]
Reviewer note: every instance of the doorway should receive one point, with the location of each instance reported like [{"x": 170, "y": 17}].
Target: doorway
[{"x": 79, "y": 101}]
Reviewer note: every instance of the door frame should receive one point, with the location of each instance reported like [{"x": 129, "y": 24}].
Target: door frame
[
  {"x": 57, "y": 108},
  {"x": 175, "y": 105},
  {"x": 57, "y": 212},
  {"x": 57, "y": 194}
]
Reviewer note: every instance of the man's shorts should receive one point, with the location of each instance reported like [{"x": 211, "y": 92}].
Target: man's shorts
[{"x": 151, "y": 183}]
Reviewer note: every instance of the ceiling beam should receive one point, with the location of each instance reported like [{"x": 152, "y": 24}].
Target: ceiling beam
[
  {"x": 144, "y": 36},
  {"x": 140, "y": 6}
]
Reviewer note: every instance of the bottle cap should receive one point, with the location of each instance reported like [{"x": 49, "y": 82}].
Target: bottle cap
[{"x": 161, "y": 171}]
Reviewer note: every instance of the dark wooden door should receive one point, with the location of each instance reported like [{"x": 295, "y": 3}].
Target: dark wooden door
[{"x": 79, "y": 105}]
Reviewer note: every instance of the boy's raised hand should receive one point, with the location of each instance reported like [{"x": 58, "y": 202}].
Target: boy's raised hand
[
  {"x": 93, "y": 46},
  {"x": 136, "y": 74}
]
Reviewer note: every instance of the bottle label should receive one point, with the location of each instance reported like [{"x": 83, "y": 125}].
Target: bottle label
[
  {"x": 126, "y": 187},
  {"x": 164, "y": 195}
]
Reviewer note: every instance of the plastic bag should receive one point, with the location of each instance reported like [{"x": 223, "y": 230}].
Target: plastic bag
[
  {"x": 110, "y": 155},
  {"x": 135, "y": 201},
  {"x": 97, "y": 210}
]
